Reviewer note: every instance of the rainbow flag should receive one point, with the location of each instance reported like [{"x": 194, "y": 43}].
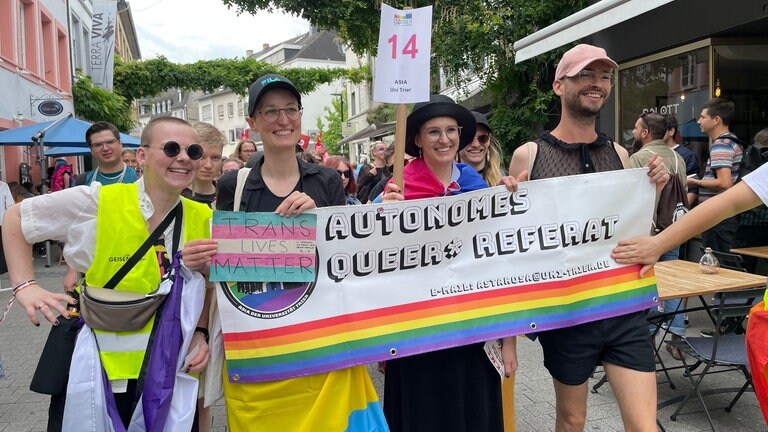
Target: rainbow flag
[{"x": 380, "y": 334}]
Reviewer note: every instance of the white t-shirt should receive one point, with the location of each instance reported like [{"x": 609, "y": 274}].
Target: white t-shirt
[
  {"x": 69, "y": 215},
  {"x": 757, "y": 180}
]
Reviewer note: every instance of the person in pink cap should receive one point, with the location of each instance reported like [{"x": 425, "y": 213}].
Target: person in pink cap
[{"x": 583, "y": 81}]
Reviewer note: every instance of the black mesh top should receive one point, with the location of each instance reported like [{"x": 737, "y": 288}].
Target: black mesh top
[{"x": 556, "y": 158}]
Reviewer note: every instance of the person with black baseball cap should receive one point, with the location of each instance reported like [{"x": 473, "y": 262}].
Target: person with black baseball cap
[
  {"x": 282, "y": 183},
  {"x": 455, "y": 389}
]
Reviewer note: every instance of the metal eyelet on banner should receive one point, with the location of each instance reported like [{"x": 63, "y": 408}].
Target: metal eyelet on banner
[
  {"x": 235, "y": 377},
  {"x": 393, "y": 351},
  {"x": 533, "y": 326},
  {"x": 655, "y": 299}
]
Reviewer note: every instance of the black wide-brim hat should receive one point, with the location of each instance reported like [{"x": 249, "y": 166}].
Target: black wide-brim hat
[{"x": 438, "y": 106}]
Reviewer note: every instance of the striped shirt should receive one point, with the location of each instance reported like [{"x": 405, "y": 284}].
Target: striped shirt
[{"x": 723, "y": 153}]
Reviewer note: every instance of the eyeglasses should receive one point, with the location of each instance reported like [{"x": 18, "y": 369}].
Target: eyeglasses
[
  {"x": 591, "y": 77},
  {"x": 452, "y": 132},
  {"x": 172, "y": 149},
  {"x": 346, "y": 173},
  {"x": 483, "y": 139},
  {"x": 109, "y": 143},
  {"x": 272, "y": 114}
]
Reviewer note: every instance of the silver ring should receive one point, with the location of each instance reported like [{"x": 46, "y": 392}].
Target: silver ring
[{"x": 40, "y": 306}]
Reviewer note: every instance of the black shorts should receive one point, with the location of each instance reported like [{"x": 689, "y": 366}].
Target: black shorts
[{"x": 572, "y": 353}]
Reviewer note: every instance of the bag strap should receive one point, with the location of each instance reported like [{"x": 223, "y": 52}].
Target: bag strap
[
  {"x": 174, "y": 214},
  {"x": 242, "y": 175}
]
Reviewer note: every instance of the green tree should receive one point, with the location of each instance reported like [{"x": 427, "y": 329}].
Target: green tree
[
  {"x": 469, "y": 37},
  {"x": 330, "y": 125},
  {"x": 137, "y": 79},
  {"x": 96, "y": 104},
  {"x": 142, "y": 78}
]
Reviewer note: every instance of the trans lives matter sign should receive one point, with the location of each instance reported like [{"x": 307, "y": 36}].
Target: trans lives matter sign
[
  {"x": 263, "y": 247},
  {"x": 404, "y": 278}
]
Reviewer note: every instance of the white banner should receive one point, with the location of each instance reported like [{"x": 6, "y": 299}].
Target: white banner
[
  {"x": 402, "y": 62},
  {"x": 402, "y": 278},
  {"x": 101, "y": 49}
]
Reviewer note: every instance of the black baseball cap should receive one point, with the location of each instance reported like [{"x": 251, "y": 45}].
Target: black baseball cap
[{"x": 266, "y": 83}]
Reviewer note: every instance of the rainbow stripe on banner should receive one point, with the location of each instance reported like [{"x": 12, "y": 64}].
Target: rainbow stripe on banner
[{"x": 390, "y": 332}]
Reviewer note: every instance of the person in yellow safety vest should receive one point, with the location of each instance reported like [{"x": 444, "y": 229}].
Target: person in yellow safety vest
[{"x": 98, "y": 224}]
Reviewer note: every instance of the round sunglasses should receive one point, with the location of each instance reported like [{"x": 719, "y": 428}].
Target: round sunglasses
[{"x": 172, "y": 149}]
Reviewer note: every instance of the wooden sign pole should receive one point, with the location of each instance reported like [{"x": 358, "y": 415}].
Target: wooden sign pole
[{"x": 401, "y": 115}]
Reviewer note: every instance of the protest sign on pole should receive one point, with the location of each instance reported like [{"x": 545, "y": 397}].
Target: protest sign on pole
[
  {"x": 409, "y": 277},
  {"x": 402, "y": 67}
]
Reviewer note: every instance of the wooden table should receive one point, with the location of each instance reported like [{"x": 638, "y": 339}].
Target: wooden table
[
  {"x": 678, "y": 279},
  {"x": 759, "y": 251}
]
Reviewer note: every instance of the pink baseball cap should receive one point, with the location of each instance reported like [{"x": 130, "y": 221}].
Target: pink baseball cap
[{"x": 579, "y": 57}]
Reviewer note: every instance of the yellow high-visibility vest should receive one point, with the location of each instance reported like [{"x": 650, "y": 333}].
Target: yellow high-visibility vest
[{"x": 120, "y": 231}]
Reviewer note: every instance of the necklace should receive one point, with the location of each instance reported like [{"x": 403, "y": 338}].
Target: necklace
[{"x": 118, "y": 178}]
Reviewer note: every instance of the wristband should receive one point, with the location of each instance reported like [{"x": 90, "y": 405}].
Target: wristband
[
  {"x": 23, "y": 285},
  {"x": 203, "y": 331}
]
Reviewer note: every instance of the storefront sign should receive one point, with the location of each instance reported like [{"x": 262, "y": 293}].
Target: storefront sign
[
  {"x": 404, "y": 278},
  {"x": 664, "y": 109},
  {"x": 50, "y": 108}
]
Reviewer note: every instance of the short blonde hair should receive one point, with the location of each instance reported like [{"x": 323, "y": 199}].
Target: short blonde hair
[{"x": 209, "y": 136}]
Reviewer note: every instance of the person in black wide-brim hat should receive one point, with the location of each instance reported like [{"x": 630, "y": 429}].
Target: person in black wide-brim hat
[{"x": 455, "y": 389}]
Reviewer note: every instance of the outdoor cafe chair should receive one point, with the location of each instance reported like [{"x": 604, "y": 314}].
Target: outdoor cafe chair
[{"x": 720, "y": 353}]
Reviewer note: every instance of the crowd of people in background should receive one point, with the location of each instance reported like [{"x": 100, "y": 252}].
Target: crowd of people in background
[{"x": 449, "y": 150}]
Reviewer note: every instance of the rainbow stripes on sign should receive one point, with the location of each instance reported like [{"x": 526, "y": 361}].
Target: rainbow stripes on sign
[{"x": 434, "y": 324}]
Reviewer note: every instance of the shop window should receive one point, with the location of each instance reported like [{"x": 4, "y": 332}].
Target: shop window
[{"x": 657, "y": 86}]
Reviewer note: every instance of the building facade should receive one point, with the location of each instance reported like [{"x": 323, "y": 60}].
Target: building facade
[
  {"x": 673, "y": 56},
  {"x": 35, "y": 74}
]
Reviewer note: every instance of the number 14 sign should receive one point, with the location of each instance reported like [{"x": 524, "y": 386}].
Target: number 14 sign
[{"x": 402, "y": 64}]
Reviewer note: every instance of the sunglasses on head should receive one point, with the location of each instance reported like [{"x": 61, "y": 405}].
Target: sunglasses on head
[
  {"x": 172, "y": 149},
  {"x": 483, "y": 139},
  {"x": 347, "y": 173}
]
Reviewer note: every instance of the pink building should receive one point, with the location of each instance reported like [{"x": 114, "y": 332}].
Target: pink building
[{"x": 35, "y": 73}]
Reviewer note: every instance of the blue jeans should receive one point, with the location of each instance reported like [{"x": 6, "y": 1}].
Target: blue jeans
[{"x": 676, "y": 322}]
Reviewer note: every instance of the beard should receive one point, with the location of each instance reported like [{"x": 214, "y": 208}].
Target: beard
[
  {"x": 579, "y": 109},
  {"x": 637, "y": 144}
]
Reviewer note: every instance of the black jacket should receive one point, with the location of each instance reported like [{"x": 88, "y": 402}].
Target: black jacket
[{"x": 321, "y": 183}]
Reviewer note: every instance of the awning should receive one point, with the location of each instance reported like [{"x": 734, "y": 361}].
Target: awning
[
  {"x": 599, "y": 16},
  {"x": 370, "y": 131}
]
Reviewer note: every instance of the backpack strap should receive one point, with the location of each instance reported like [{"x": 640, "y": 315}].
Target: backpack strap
[{"x": 242, "y": 175}]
